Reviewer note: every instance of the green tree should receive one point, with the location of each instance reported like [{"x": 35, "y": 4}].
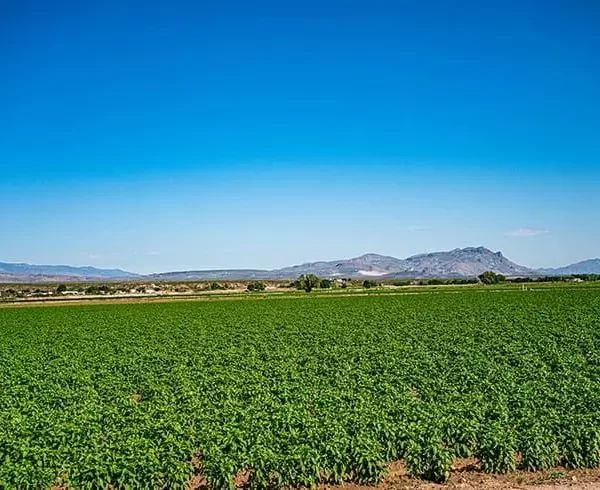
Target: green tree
[
  {"x": 490, "y": 277},
  {"x": 308, "y": 282},
  {"x": 367, "y": 284},
  {"x": 325, "y": 284},
  {"x": 256, "y": 286},
  {"x": 61, "y": 289},
  {"x": 93, "y": 289}
]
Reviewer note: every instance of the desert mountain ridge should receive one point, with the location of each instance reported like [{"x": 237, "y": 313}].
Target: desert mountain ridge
[
  {"x": 459, "y": 262},
  {"x": 590, "y": 266}
]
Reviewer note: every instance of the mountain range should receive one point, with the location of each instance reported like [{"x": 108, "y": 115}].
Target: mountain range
[
  {"x": 591, "y": 266},
  {"x": 10, "y": 272},
  {"x": 460, "y": 262}
]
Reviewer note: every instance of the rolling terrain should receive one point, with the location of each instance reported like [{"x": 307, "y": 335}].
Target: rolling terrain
[
  {"x": 460, "y": 262},
  {"x": 591, "y": 266},
  {"x": 34, "y": 273}
]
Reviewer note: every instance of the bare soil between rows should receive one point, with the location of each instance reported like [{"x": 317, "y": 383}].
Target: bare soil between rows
[{"x": 465, "y": 475}]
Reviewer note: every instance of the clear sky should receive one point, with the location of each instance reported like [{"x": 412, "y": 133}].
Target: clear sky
[{"x": 156, "y": 136}]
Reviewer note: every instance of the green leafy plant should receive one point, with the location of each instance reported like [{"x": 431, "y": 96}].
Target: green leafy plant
[{"x": 295, "y": 392}]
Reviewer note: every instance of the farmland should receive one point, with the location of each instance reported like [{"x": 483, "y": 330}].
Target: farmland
[{"x": 293, "y": 392}]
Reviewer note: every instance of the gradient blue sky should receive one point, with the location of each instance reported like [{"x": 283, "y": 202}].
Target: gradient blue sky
[{"x": 156, "y": 136}]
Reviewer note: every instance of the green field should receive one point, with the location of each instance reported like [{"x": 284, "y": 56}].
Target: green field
[{"x": 296, "y": 391}]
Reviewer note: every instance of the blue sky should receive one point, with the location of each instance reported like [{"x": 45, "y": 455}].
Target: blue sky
[{"x": 156, "y": 136}]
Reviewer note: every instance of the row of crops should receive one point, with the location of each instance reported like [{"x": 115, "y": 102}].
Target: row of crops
[{"x": 299, "y": 391}]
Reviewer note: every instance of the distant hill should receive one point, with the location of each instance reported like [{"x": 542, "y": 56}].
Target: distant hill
[
  {"x": 470, "y": 261},
  {"x": 368, "y": 265},
  {"x": 64, "y": 272},
  {"x": 591, "y": 266},
  {"x": 38, "y": 278},
  {"x": 460, "y": 262},
  {"x": 216, "y": 274},
  {"x": 465, "y": 262}
]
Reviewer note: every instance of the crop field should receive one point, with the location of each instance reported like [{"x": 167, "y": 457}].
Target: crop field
[{"x": 293, "y": 392}]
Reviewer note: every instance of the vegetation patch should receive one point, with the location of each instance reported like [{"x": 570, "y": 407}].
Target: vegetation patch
[{"x": 293, "y": 392}]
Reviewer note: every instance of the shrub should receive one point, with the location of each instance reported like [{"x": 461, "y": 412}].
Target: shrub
[
  {"x": 325, "y": 284},
  {"x": 256, "y": 286}
]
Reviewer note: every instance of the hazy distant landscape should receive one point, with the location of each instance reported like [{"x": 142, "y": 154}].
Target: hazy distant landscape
[{"x": 466, "y": 262}]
